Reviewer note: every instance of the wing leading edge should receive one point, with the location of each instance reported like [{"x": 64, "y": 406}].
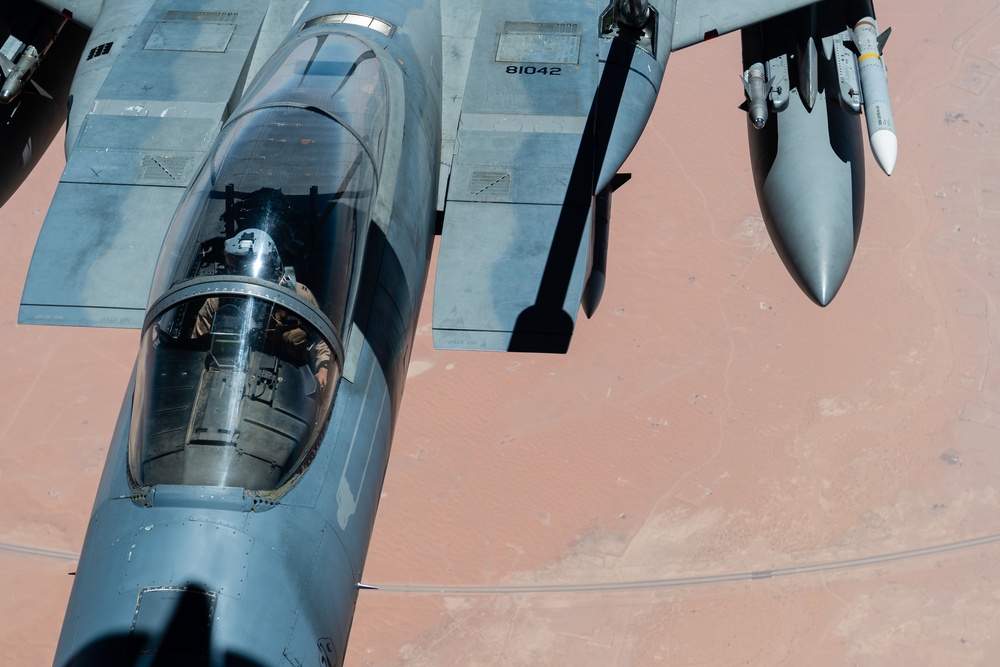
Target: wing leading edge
[
  {"x": 85, "y": 12},
  {"x": 698, "y": 20}
]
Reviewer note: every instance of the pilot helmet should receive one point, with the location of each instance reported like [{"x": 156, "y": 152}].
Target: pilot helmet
[{"x": 252, "y": 253}]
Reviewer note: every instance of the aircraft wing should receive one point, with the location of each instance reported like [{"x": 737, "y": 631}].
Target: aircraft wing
[
  {"x": 85, "y": 12},
  {"x": 148, "y": 101},
  {"x": 698, "y": 20},
  {"x": 526, "y": 159},
  {"x": 541, "y": 109}
]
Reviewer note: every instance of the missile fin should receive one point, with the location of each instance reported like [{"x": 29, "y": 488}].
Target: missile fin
[
  {"x": 851, "y": 42},
  {"x": 41, "y": 91},
  {"x": 882, "y": 39}
]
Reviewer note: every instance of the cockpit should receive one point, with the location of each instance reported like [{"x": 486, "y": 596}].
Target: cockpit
[{"x": 242, "y": 348}]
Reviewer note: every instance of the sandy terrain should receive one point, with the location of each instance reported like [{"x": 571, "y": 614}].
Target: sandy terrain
[{"x": 608, "y": 507}]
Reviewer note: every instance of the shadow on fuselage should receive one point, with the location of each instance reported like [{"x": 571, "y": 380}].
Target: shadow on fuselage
[
  {"x": 184, "y": 640},
  {"x": 384, "y": 308},
  {"x": 547, "y": 314}
]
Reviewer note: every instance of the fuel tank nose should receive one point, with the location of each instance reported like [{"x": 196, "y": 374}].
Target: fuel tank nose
[{"x": 809, "y": 173}]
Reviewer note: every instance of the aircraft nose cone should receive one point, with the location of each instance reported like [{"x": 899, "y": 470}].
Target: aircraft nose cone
[{"x": 758, "y": 123}]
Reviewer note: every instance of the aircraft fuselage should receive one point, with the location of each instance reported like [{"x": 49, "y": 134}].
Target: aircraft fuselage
[{"x": 201, "y": 549}]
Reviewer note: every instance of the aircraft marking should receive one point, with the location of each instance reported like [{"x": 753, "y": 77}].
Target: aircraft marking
[{"x": 531, "y": 69}]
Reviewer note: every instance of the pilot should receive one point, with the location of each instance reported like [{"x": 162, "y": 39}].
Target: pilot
[{"x": 252, "y": 253}]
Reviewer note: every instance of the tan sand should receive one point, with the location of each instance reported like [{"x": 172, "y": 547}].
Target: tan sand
[
  {"x": 707, "y": 423},
  {"x": 60, "y": 394}
]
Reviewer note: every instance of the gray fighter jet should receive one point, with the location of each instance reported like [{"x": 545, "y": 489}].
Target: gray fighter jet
[{"x": 289, "y": 162}]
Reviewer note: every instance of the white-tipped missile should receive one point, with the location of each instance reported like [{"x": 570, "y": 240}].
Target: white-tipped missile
[
  {"x": 875, "y": 93},
  {"x": 756, "y": 85}
]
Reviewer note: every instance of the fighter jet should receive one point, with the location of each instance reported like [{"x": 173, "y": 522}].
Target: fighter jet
[{"x": 256, "y": 186}]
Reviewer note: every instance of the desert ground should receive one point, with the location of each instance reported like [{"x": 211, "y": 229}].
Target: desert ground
[{"x": 719, "y": 472}]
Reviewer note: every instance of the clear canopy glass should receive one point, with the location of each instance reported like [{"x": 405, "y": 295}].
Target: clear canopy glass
[
  {"x": 240, "y": 355},
  {"x": 299, "y": 165},
  {"x": 234, "y": 390}
]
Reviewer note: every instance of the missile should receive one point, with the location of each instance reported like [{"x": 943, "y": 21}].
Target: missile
[
  {"x": 19, "y": 73},
  {"x": 756, "y": 84},
  {"x": 875, "y": 92},
  {"x": 601, "y": 217}
]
